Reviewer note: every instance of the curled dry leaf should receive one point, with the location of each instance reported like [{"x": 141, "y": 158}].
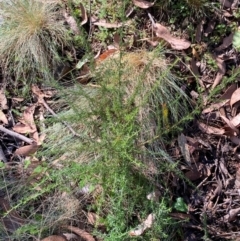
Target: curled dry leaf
[
  {"x": 210, "y": 129},
  {"x": 221, "y": 71},
  {"x": 164, "y": 33},
  {"x": 84, "y": 14},
  {"x": 143, "y": 226},
  {"x": 81, "y": 233},
  {"x": 229, "y": 123},
  {"x": 143, "y": 4},
  {"x": 27, "y": 150},
  {"x": 235, "y": 97}
]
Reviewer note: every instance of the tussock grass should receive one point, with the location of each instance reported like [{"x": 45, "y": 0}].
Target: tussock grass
[{"x": 31, "y": 35}]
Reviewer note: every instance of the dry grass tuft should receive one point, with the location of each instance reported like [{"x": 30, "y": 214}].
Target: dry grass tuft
[{"x": 31, "y": 34}]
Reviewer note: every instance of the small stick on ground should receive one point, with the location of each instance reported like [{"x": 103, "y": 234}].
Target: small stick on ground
[
  {"x": 16, "y": 135},
  {"x": 55, "y": 115}
]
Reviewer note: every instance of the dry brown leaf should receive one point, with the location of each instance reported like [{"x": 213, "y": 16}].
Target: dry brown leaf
[
  {"x": 226, "y": 3},
  {"x": 23, "y": 129},
  {"x": 40, "y": 95},
  {"x": 27, "y": 124},
  {"x": 106, "y": 55},
  {"x": 229, "y": 123},
  {"x": 210, "y": 129},
  {"x": 143, "y": 4},
  {"x": 84, "y": 14},
  {"x": 227, "y": 41},
  {"x": 94, "y": 219},
  {"x": 221, "y": 71},
  {"x": 182, "y": 143},
  {"x": 199, "y": 31},
  {"x": 235, "y": 97},
  {"x": 215, "y": 106},
  {"x": 198, "y": 170},
  {"x": 235, "y": 140},
  {"x": 153, "y": 41},
  {"x": 3, "y": 100},
  {"x": 54, "y": 238},
  {"x": 228, "y": 93},
  {"x": 81, "y": 233},
  {"x": 71, "y": 22},
  {"x": 194, "y": 67},
  {"x": 35, "y": 89},
  {"x": 3, "y": 118},
  {"x": 236, "y": 120},
  {"x": 28, "y": 118},
  {"x": 27, "y": 150},
  {"x": 103, "y": 23},
  {"x": 176, "y": 43},
  {"x": 139, "y": 230},
  {"x": 232, "y": 215}
]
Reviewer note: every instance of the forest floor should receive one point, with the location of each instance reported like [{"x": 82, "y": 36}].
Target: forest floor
[{"x": 200, "y": 45}]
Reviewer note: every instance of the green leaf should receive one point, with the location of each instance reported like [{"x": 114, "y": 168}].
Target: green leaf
[
  {"x": 180, "y": 205},
  {"x": 236, "y": 40},
  {"x": 26, "y": 163},
  {"x": 2, "y": 164},
  {"x": 81, "y": 63},
  {"x": 39, "y": 169}
]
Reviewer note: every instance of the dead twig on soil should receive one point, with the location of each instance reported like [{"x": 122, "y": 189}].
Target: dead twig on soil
[
  {"x": 16, "y": 135},
  {"x": 55, "y": 115}
]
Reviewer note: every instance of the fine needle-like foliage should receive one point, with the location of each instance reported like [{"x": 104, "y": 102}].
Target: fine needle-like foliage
[
  {"x": 122, "y": 118},
  {"x": 31, "y": 34}
]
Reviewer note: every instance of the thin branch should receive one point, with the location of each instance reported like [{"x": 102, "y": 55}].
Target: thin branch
[
  {"x": 54, "y": 114},
  {"x": 16, "y": 135}
]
